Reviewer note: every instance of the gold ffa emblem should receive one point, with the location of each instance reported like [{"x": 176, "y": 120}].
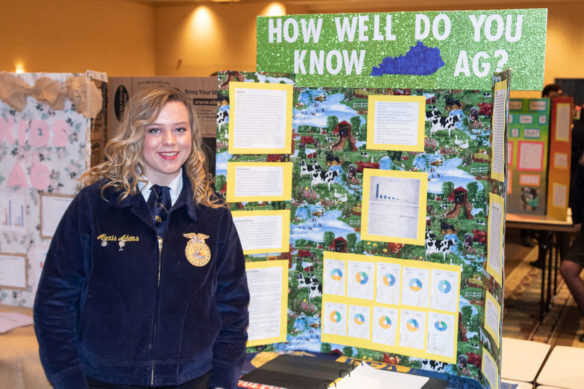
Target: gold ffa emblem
[{"x": 197, "y": 251}]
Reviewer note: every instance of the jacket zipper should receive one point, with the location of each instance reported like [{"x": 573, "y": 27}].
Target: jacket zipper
[{"x": 160, "y": 241}]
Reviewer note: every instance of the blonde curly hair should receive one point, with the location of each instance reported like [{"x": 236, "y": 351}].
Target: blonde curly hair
[{"x": 124, "y": 162}]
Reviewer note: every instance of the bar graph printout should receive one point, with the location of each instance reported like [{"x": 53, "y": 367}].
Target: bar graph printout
[
  {"x": 393, "y": 206},
  {"x": 12, "y": 210}
]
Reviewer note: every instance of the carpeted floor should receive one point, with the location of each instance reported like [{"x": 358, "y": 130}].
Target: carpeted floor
[{"x": 521, "y": 314}]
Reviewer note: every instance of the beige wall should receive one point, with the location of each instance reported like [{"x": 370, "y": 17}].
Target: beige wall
[
  {"x": 65, "y": 36},
  {"x": 189, "y": 44},
  {"x": 233, "y": 45},
  {"x": 122, "y": 37}
]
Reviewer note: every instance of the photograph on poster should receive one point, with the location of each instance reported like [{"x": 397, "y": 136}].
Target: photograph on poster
[
  {"x": 263, "y": 231},
  {"x": 260, "y": 118},
  {"x": 394, "y": 206},
  {"x": 268, "y": 289},
  {"x": 396, "y": 123}
]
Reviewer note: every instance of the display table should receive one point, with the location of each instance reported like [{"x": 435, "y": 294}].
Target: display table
[
  {"x": 549, "y": 249},
  {"x": 522, "y": 359},
  {"x": 20, "y": 366},
  {"x": 563, "y": 368}
]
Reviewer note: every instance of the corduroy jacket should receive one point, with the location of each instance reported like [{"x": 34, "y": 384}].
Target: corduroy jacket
[{"x": 119, "y": 305}]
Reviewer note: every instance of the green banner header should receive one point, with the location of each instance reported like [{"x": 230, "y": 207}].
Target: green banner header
[{"x": 434, "y": 50}]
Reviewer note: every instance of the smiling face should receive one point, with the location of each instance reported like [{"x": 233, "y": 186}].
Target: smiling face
[{"x": 167, "y": 143}]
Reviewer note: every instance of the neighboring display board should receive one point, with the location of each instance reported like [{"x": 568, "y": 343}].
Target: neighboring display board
[
  {"x": 425, "y": 49},
  {"x": 426, "y": 295},
  {"x": 201, "y": 91},
  {"x": 45, "y": 133},
  {"x": 527, "y": 157},
  {"x": 560, "y": 158}
]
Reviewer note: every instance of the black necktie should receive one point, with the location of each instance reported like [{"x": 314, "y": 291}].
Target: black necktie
[{"x": 159, "y": 203}]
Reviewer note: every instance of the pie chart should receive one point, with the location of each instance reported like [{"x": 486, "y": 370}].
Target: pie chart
[
  {"x": 412, "y": 325},
  {"x": 388, "y": 279},
  {"x": 444, "y": 286},
  {"x": 385, "y": 322},
  {"x": 359, "y": 319},
  {"x": 415, "y": 284},
  {"x": 440, "y": 325},
  {"x": 336, "y": 274},
  {"x": 335, "y": 317},
  {"x": 362, "y": 277}
]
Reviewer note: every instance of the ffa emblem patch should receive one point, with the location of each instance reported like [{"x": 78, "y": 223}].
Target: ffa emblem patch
[{"x": 197, "y": 251}]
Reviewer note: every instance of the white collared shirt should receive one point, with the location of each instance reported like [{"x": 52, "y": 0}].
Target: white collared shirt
[{"x": 175, "y": 187}]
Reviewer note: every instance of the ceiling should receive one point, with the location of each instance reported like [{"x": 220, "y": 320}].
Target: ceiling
[{"x": 340, "y": 5}]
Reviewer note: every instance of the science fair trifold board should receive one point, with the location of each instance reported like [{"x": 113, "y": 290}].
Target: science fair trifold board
[
  {"x": 386, "y": 152},
  {"x": 46, "y": 137},
  {"x": 386, "y": 254}
]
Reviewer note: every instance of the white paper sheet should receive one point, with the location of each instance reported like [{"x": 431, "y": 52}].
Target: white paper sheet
[
  {"x": 259, "y": 231},
  {"x": 53, "y": 208},
  {"x": 492, "y": 315},
  {"x": 388, "y": 283},
  {"x": 412, "y": 329},
  {"x": 498, "y": 149},
  {"x": 416, "y": 286},
  {"x": 259, "y": 181},
  {"x": 360, "y": 282},
  {"x": 530, "y": 156},
  {"x": 559, "y": 195},
  {"x": 367, "y": 377},
  {"x": 441, "y": 335},
  {"x": 359, "y": 321},
  {"x": 334, "y": 321},
  {"x": 384, "y": 325},
  {"x": 334, "y": 277},
  {"x": 12, "y": 271},
  {"x": 265, "y": 289},
  {"x": 260, "y": 118},
  {"x": 393, "y": 207},
  {"x": 444, "y": 290},
  {"x": 494, "y": 239},
  {"x": 563, "y": 122},
  {"x": 396, "y": 122}
]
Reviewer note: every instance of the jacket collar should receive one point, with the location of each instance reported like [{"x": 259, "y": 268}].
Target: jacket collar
[{"x": 138, "y": 205}]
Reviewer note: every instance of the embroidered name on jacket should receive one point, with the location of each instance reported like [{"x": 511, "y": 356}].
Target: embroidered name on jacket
[
  {"x": 121, "y": 240},
  {"x": 197, "y": 251}
]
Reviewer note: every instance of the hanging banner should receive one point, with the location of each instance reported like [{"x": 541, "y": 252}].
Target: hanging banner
[{"x": 437, "y": 50}]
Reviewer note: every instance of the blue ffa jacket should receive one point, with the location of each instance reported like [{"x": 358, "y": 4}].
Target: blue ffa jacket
[{"x": 116, "y": 304}]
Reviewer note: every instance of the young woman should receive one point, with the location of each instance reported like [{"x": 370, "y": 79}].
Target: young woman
[{"x": 144, "y": 283}]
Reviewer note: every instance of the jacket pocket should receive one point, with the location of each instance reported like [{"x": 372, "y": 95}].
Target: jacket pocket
[{"x": 103, "y": 323}]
